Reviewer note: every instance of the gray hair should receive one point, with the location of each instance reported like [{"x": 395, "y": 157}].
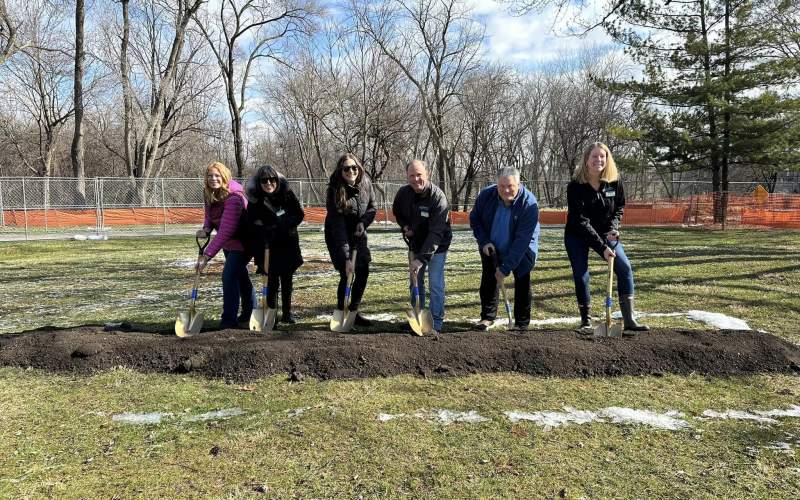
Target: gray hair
[{"x": 508, "y": 172}]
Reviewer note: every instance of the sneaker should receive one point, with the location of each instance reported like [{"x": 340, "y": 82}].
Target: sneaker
[
  {"x": 362, "y": 321},
  {"x": 288, "y": 318},
  {"x": 521, "y": 327},
  {"x": 483, "y": 325}
]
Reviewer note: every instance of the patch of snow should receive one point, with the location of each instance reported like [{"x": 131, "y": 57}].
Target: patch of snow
[
  {"x": 554, "y": 321},
  {"x": 79, "y": 237},
  {"x": 738, "y": 415},
  {"x": 98, "y": 237},
  {"x": 184, "y": 263},
  {"x": 385, "y": 417},
  {"x": 216, "y": 415},
  {"x": 550, "y": 419},
  {"x": 669, "y": 421},
  {"x": 448, "y": 417},
  {"x": 793, "y": 411},
  {"x": 782, "y": 447},
  {"x": 381, "y": 317},
  {"x": 718, "y": 320},
  {"x": 140, "y": 418}
]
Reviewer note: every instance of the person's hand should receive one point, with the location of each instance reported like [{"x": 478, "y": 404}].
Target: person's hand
[
  {"x": 407, "y": 232},
  {"x": 613, "y": 235},
  {"x": 201, "y": 263},
  {"x": 488, "y": 249},
  {"x": 499, "y": 276},
  {"x": 360, "y": 230},
  {"x": 349, "y": 267},
  {"x": 414, "y": 266},
  {"x": 608, "y": 253},
  {"x": 201, "y": 233}
]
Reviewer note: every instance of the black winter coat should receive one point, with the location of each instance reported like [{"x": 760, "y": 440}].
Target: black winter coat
[
  {"x": 427, "y": 214},
  {"x": 340, "y": 226},
  {"x": 593, "y": 214},
  {"x": 272, "y": 221}
]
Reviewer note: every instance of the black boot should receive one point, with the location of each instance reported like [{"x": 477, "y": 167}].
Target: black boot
[
  {"x": 287, "y": 317},
  {"x": 586, "y": 317},
  {"x": 629, "y": 323},
  {"x": 362, "y": 321}
]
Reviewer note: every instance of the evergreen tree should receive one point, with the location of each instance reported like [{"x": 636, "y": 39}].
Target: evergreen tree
[{"x": 714, "y": 93}]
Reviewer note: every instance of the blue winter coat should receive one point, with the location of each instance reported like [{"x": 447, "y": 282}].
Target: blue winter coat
[{"x": 524, "y": 228}]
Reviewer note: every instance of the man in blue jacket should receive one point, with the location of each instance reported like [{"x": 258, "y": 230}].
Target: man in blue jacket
[{"x": 505, "y": 220}]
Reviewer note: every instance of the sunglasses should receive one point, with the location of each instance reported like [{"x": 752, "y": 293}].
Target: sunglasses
[
  {"x": 350, "y": 168},
  {"x": 269, "y": 180}
]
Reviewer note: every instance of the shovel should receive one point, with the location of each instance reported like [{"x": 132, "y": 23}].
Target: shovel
[
  {"x": 190, "y": 322},
  {"x": 607, "y": 329},
  {"x": 502, "y": 285},
  {"x": 343, "y": 319},
  {"x": 263, "y": 319},
  {"x": 420, "y": 321}
]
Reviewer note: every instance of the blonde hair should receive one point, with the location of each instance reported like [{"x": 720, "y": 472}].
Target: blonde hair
[
  {"x": 609, "y": 174},
  {"x": 217, "y": 195}
]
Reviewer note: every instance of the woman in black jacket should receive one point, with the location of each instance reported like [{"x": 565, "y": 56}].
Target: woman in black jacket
[
  {"x": 596, "y": 200},
  {"x": 273, "y": 214},
  {"x": 350, "y": 211}
]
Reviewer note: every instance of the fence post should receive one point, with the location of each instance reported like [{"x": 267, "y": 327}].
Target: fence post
[
  {"x": 98, "y": 223},
  {"x": 46, "y": 200},
  {"x": 2, "y": 211},
  {"x": 164, "y": 205},
  {"x": 25, "y": 207},
  {"x": 302, "y": 202},
  {"x": 385, "y": 208}
]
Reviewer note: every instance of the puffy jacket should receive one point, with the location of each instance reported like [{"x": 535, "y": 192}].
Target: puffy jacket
[
  {"x": 524, "y": 227},
  {"x": 225, "y": 216},
  {"x": 593, "y": 214},
  {"x": 428, "y": 215},
  {"x": 273, "y": 220},
  {"x": 340, "y": 226}
]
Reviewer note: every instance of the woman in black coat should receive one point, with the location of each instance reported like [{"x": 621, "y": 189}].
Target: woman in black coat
[
  {"x": 273, "y": 214},
  {"x": 350, "y": 210}
]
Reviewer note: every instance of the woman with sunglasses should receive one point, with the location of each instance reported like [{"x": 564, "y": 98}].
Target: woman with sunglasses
[
  {"x": 273, "y": 216},
  {"x": 350, "y": 211},
  {"x": 225, "y": 204}
]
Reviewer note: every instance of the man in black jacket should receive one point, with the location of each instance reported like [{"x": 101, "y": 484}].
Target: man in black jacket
[{"x": 422, "y": 211}]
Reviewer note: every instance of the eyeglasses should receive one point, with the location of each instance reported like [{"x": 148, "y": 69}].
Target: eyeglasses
[
  {"x": 269, "y": 180},
  {"x": 350, "y": 168}
]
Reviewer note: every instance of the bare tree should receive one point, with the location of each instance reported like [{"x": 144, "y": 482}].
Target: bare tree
[
  {"x": 78, "y": 168},
  {"x": 9, "y": 28},
  {"x": 242, "y": 33},
  {"x": 436, "y": 46},
  {"x": 40, "y": 79}
]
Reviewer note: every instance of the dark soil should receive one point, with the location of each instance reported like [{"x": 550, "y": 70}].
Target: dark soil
[{"x": 239, "y": 355}]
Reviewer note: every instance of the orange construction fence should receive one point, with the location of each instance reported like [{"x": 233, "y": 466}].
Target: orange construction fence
[{"x": 774, "y": 210}]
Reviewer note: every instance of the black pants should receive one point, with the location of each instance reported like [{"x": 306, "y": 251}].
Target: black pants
[
  {"x": 359, "y": 285},
  {"x": 284, "y": 282},
  {"x": 489, "y": 292}
]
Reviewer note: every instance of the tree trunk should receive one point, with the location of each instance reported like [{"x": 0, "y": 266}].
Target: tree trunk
[
  {"x": 126, "y": 89},
  {"x": 78, "y": 168}
]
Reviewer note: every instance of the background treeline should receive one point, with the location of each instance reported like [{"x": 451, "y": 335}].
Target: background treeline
[{"x": 704, "y": 89}]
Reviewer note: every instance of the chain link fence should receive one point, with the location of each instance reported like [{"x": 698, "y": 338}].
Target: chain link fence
[{"x": 32, "y": 208}]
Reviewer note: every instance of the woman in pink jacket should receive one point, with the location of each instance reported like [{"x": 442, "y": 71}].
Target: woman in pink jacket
[{"x": 225, "y": 204}]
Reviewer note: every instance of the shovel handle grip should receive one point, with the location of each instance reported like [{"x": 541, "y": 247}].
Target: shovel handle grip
[{"x": 202, "y": 246}]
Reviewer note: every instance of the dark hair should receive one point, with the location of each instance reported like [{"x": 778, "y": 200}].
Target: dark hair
[
  {"x": 267, "y": 172},
  {"x": 338, "y": 183}
]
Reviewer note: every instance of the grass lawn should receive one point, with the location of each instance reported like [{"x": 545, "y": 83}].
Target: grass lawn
[{"x": 324, "y": 439}]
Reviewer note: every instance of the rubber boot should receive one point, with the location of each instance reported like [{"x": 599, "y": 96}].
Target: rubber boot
[
  {"x": 629, "y": 323},
  {"x": 586, "y": 318}
]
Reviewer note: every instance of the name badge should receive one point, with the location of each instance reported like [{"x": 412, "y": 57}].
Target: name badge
[
  {"x": 280, "y": 212},
  {"x": 611, "y": 193},
  {"x": 423, "y": 211}
]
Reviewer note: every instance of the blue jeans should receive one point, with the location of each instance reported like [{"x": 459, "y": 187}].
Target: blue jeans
[
  {"x": 235, "y": 285},
  {"x": 578, "y": 252},
  {"x": 436, "y": 283}
]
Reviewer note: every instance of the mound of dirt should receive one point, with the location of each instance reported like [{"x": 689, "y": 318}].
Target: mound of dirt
[{"x": 238, "y": 355}]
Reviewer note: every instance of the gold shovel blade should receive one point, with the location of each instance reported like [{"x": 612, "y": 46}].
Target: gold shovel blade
[
  {"x": 187, "y": 325},
  {"x": 426, "y": 321},
  {"x": 604, "y": 330},
  {"x": 269, "y": 321},
  {"x": 349, "y": 321},
  {"x": 257, "y": 320},
  {"x": 337, "y": 320},
  {"x": 413, "y": 323}
]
